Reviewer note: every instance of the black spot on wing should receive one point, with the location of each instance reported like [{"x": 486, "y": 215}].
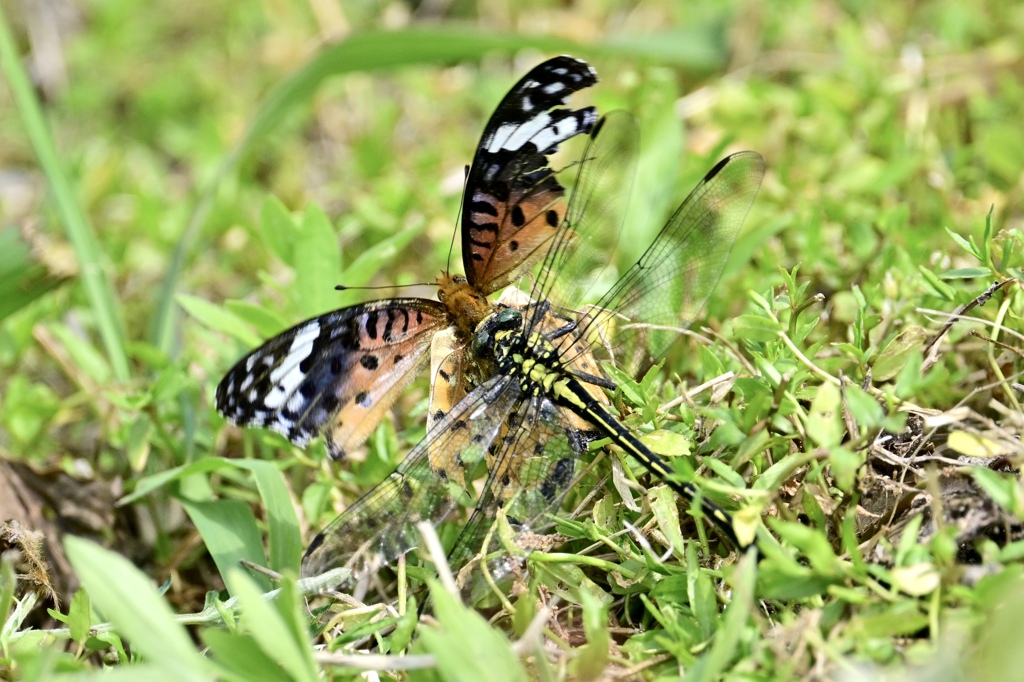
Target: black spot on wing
[
  {"x": 559, "y": 479},
  {"x": 518, "y": 218}
]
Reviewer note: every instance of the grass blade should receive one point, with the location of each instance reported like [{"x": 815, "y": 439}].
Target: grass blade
[{"x": 97, "y": 288}]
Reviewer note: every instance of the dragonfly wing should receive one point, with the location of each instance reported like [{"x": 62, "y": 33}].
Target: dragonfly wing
[
  {"x": 577, "y": 267},
  {"x": 381, "y": 526},
  {"x": 670, "y": 283},
  {"x": 531, "y": 472}
]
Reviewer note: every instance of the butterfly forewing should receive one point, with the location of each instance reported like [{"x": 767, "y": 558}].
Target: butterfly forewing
[
  {"x": 341, "y": 370},
  {"x": 513, "y": 201}
]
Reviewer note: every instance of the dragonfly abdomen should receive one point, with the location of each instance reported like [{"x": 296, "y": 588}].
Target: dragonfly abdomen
[{"x": 540, "y": 371}]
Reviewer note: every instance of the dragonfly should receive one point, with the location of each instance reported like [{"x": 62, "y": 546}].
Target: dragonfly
[
  {"x": 512, "y": 443},
  {"x": 339, "y": 374}
]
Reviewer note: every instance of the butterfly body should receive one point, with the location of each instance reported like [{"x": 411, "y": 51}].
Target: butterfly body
[{"x": 466, "y": 306}]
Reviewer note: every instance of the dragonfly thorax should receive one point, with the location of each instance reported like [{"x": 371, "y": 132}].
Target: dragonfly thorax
[
  {"x": 532, "y": 358},
  {"x": 495, "y": 336}
]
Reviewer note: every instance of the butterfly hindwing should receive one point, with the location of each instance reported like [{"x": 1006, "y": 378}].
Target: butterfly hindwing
[
  {"x": 350, "y": 364},
  {"x": 513, "y": 201}
]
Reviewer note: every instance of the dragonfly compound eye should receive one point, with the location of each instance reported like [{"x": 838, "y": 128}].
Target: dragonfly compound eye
[
  {"x": 483, "y": 343},
  {"x": 509, "y": 319}
]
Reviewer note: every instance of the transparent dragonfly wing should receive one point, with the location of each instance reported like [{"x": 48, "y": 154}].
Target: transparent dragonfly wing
[
  {"x": 579, "y": 260},
  {"x": 532, "y": 469},
  {"x": 434, "y": 483},
  {"x": 666, "y": 289}
]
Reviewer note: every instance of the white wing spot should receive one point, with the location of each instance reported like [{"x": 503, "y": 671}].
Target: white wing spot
[
  {"x": 552, "y": 88},
  {"x": 295, "y": 404},
  {"x": 552, "y": 135},
  {"x": 288, "y": 376},
  {"x": 512, "y": 136}
]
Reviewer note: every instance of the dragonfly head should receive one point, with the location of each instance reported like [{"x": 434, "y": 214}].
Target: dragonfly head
[{"x": 494, "y": 330}]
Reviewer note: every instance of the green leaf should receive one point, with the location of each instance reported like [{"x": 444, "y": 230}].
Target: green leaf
[
  {"x": 965, "y": 244},
  {"x": 824, "y": 421},
  {"x": 242, "y": 656},
  {"x": 756, "y": 328},
  {"x": 267, "y": 322},
  {"x": 129, "y": 600},
  {"x": 275, "y": 626},
  {"x": 938, "y": 286},
  {"x": 372, "y": 260},
  {"x": 84, "y": 354},
  {"x": 724, "y": 649},
  {"x": 666, "y": 513},
  {"x": 966, "y": 273},
  {"x": 23, "y": 277},
  {"x": 466, "y": 646},
  {"x": 158, "y": 480},
  {"x": 278, "y": 228},
  {"x": 864, "y": 409},
  {"x": 317, "y": 263},
  {"x": 217, "y": 318},
  {"x": 896, "y": 353},
  {"x": 667, "y": 443},
  {"x": 229, "y": 531},
  {"x": 80, "y": 616},
  {"x": 844, "y": 467},
  {"x": 977, "y": 445},
  {"x": 592, "y": 657},
  {"x": 136, "y": 449},
  {"x": 283, "y": 526},
  {"x": 1004, "y": 490},
  {"x": 909, "y": 376},
  {"x": 700, "y": 592},
  {"x": 28, "y": 407}
]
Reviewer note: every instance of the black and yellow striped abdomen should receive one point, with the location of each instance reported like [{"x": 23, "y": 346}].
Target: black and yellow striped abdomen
[{"x": 535, "y": 363}]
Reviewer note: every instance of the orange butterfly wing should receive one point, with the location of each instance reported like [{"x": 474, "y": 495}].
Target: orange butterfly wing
[
  {"x": 341, "y": 371},
  {"x": 513, "y": 200}
]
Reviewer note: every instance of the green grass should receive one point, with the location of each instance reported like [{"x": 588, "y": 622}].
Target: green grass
[{"x": 211, "y": 175}]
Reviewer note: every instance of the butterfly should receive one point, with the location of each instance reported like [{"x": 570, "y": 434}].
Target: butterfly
[
  {"x": 338, "y": 374},
  {"x": 512, "y": 443}
]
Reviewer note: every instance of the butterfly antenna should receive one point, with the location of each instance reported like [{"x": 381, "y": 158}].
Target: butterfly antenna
[
  {"x": 458, "y": 217},
  {"x": 342, "y": 287}
]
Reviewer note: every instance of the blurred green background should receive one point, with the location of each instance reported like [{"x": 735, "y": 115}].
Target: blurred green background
[{"x": 184, "y": 128}]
